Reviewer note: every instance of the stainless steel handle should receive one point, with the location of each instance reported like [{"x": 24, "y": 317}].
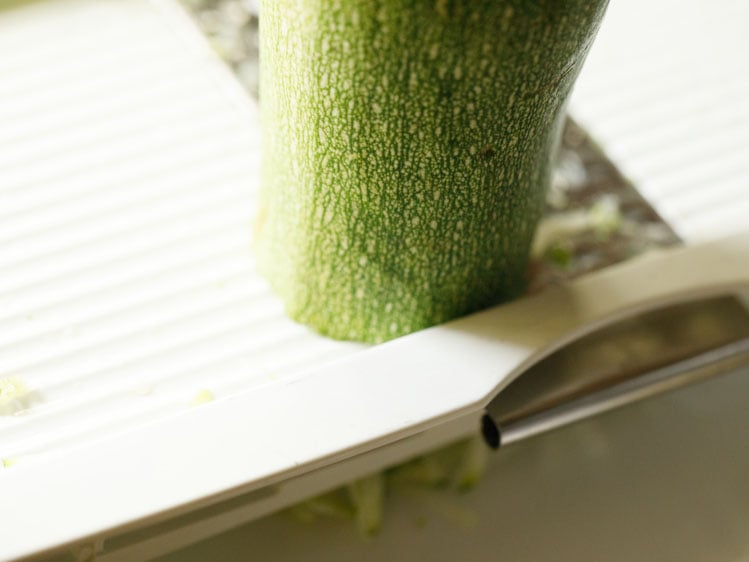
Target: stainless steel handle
[{"x": 699, "y": 367}]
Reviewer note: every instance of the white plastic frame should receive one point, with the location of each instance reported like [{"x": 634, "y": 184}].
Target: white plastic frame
[{"x": 374, "y": 408}]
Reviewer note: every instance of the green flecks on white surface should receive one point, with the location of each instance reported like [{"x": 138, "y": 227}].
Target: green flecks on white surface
[
  {"x": 9, "y": 462},
  {"x": 202, "y": 397},
  {"x": 14, "y": 395}
]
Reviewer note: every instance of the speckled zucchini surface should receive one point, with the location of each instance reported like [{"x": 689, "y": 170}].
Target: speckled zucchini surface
[{"x": 406, "y": 152}]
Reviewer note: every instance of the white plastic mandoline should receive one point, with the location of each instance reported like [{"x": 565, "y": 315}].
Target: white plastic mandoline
[{"x": 127, "y": 290}]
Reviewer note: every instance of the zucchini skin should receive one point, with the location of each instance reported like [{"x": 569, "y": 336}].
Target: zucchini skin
[{"x": 407, "y": 149}]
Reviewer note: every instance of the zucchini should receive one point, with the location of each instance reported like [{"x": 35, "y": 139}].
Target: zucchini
[{"x": 407, "y": 147}]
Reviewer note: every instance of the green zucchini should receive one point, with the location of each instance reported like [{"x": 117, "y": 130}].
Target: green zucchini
[{"x": 407, "y": 147}]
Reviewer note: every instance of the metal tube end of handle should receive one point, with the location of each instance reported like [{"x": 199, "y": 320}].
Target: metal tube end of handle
[{"x": 491, "y": 431}]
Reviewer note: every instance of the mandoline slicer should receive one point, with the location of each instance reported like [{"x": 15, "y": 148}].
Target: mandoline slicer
[{"x": 169, "y": 399}]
